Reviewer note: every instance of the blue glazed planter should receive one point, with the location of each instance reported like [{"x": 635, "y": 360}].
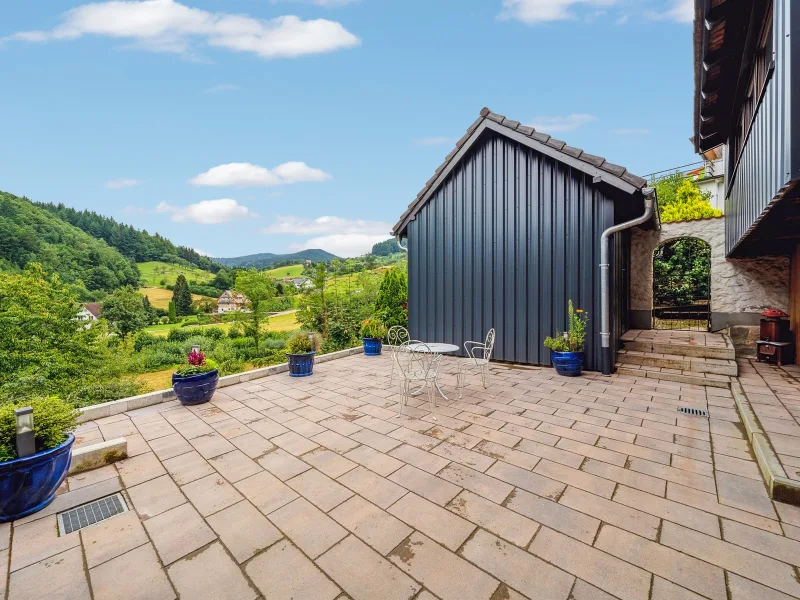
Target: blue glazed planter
[
  {"x": 568, "y": 364},
  {"x": 195, "y": 389},
  {"x": 29, "y": 484},
  {"x": 301, "y": 365},
  {"x": 372, "y": 346}
]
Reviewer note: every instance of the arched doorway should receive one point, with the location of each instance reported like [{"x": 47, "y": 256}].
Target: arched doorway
[{"x": 682, "y": 285}]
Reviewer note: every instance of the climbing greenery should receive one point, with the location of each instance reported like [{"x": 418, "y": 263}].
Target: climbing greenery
[{"x": 679, "y": 199}]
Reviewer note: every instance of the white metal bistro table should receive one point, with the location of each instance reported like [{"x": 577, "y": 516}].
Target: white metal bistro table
[{"x": 436, "y": 349}]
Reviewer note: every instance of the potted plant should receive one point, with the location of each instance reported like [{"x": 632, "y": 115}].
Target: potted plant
[
  {"x": 372, "y": 332},
  {"x": 34, "y": 457},
  {"x": 196, "y": 381},
  {"x": 566, "y": 348},
  {"x": 300, "y": 351}
]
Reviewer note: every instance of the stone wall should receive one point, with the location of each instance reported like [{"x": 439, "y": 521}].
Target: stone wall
[{"x": 740, "y": 287}]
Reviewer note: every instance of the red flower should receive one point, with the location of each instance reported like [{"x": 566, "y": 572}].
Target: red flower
[{"x": 196, "y": 358}]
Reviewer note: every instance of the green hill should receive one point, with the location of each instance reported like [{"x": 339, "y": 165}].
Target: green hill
[
  {"x": 267, "y": 259},
  {"x": 29, "y": 233},
  {"x": 137, "y": 245},
  {"x": 154, "y": 272},
  {"x": 288, "y": 271}
]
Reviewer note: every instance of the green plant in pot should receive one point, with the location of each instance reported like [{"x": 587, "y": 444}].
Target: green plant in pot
[
  {"x": 34, "y": 456},
  {"x": 566, "y": 348},
  {"x": 372, "y": 332},
  {"x": 196, "y": 381},
  {"x": 300, "y": 351}
]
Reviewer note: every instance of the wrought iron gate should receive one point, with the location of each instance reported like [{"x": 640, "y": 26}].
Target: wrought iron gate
[{"x": 682, "y": 285}]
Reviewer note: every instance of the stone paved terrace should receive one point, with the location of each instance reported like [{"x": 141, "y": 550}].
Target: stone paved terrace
[
  {"x": 549, "y": 488},
  {"x": 774, "y": 394}
]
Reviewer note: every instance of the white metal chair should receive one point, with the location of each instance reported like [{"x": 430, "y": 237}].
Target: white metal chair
[
  {"x": 417, "y": 365},
  {"x": 479, "y": 354},
  {"x": 397, "y": 336}
]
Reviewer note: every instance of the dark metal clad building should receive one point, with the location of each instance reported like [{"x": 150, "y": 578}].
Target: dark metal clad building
[{"x": 506, "y": 232}]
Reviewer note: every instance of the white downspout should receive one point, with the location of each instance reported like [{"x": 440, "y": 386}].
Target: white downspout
[{"x": 607, "y": 358}]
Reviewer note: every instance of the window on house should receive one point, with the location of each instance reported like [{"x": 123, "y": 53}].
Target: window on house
[{"x": 755, "y": 89}]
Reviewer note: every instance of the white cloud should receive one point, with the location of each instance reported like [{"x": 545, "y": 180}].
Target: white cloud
[
  {"x": 343, "y": 237},
  {"x": 556, "y": 124},
  {"x": 323, "y": 3},
  {"x": 249, "y": 175},
  {"x": 344, "y": 244},
  {"x": 207, "y": 212},
  {"x": 682, "y": 11},
  {"x": 201, "y": 252},
  {"x": 631, "y": 131},
  {"x": 434, "y": 140},
  {"x": 168, "y": 26},
  {"x": 116, "y": 184},
  {"x": 542, "y": 11},
  {"x": 222, "y": 87}
]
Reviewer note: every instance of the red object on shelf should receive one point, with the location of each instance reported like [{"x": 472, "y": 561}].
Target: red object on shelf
[{"x": 774, "y": 313}]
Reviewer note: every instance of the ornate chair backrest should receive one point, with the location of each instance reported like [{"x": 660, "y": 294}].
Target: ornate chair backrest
[
  {"x": 412, "y": 357},
  {"x": 488, "y": 346},
  {"x": 397, "y": 335}
]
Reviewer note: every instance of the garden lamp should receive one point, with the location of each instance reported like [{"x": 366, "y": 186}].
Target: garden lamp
[
  {"x": 196, "y": 348},
  {"x": 26, "y": 445},
  {"x": 311, "y": 339}
]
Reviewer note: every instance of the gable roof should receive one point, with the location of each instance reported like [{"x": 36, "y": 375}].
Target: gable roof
[
  {"x": 93, "y": 307},
  {"x": 596, "y": 166}
]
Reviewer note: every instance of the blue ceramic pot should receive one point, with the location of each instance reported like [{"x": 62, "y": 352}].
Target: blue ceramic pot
[
  {"x": 372, "y": 346},
  {"x": 195, "y": 389},
  {"x": 29, "y": 484},
  {"x": 568, "y": 364},
  {"x": 301, "y": 365}
]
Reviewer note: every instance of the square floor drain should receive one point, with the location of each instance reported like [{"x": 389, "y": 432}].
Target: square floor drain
[
  {"x": 91, "y": 513},
  {"x": 695, "y": 412}
]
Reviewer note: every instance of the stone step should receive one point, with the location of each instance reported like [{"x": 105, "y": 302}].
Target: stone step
[
  {"x": 678, "y": 376},
  {"x": 724, "y": 352},
  {"x": 718, "y": 366}
]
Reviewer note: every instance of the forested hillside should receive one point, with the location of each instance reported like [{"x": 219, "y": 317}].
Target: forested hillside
[
  {"x": 29, "y": 234},
  {"x": 138, "y": 245}
]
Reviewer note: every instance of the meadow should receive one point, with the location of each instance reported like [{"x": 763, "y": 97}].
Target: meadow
[
  {"x": 160, "y": 297},
  {"x": 154, "y": 272},
  {"x": 289, "y": 271}
]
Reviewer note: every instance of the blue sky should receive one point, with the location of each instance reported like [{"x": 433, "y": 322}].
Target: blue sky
[{"x": 237, "y": 127}]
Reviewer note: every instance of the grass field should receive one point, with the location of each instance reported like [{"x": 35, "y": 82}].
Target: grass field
[
  {"x": 285, "y": 322},
  {"x": 154, "y": 272},
  {"x": 159, "y": 297},
  {"x": 290, "y": 271}
]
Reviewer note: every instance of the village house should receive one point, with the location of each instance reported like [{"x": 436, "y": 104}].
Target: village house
[
  {"x": 230, "y": 301},
  {"x": 89, "y": 312}
]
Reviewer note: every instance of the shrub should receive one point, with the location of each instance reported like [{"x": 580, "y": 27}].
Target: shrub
[
  {"x": 391, "y": 305},
  {"x": 106, "y": 391},
  {"x": 53, "y": 419},
  {"x": 303, "y": 343},
  {"x": 196, "y": 364},
  {"x": 143, "y": 340},
  {"x": 236, "y": 331}
]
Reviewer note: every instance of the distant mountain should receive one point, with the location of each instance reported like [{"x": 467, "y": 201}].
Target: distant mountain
[
  {"x": 31, "y": 233},
  {"x": 267, "y": 259}
]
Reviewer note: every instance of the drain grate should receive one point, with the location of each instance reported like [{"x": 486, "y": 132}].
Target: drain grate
[
  {"x": 695, "y": 412},
  {"x": 91, "y": 513}
]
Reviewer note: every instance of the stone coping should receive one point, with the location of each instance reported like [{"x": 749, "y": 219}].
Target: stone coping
[
  {"x": 780, "y": 487},
  {"x": 115, "y": 407}
]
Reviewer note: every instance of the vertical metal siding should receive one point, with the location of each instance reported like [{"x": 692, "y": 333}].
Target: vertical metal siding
[
  {"x": 504, "y": 242},
  {"x": 765, "y": 164}
]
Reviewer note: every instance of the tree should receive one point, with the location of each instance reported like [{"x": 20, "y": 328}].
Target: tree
[
  {"x": 182, "y": 297},
  {"x": 259, "y": 289},
  {"x": 391, "y": 305},
  {"x": 148, "y": 308},
  {"x": 205, "y": 305},
  {"x": 369, "y": 261},
  {"x": 125, "y": 311},
  {"x": 314, "y": 314},
  {"x": 44, "y": 349},
  {"x": 679, "y": 199},
  {"x": 171, "y": 311}
]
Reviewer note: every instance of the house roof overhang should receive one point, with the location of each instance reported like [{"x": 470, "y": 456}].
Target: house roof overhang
[
  {"x": 598, "y": 167},
  {"x": 725, "y": 33}
]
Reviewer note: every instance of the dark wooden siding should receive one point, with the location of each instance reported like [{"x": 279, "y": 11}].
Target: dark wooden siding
[
  {"x": 504, "y": 242},
  {"x": 768, "y": 162}
]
